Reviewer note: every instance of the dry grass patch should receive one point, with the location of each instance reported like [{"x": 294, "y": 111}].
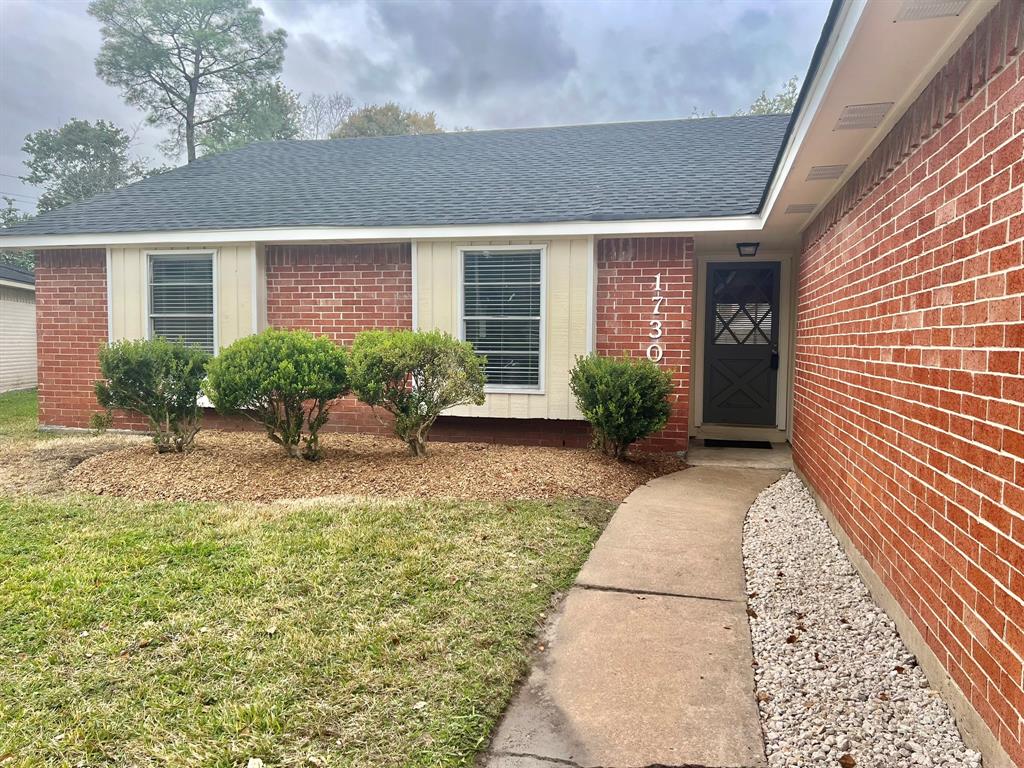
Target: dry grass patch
[
  {"x": 39, "y": 467},
  {"x": 234, "y": 466}
]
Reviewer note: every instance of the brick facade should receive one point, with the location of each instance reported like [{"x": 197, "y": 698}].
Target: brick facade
[
  {"x": 626, "y": 274},
  {"x": 71, "y": 325},
  {"x": 909, "y": 394},
  {"x": 337, "y": 291}
]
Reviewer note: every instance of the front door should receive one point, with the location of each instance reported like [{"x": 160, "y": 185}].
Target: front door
[{"x": 741, "y": 343}]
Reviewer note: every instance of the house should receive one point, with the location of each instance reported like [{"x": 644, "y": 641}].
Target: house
[
  {"x": 17, "y": 328},
  {"x": 849, "y": 279}
]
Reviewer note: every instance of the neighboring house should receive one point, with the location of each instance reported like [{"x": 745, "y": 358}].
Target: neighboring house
[
  {"x": 17, "y": 328},
  {"x": 878, "y": 327}
]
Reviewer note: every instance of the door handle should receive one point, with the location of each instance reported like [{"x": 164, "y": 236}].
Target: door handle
[{"x": 775, "y": 357}]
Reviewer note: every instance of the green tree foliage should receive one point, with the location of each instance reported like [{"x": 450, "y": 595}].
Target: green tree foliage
[
  {"x": 182, "y": 60},
  {"x": 386, "y": 120},
  {"x": 262, "y": 112},
  {"x": 159, "y": 379},
  {"x": 623, "y": 399},
  {"x": 781, "y": 103},
  {"x": 284, "y": 380},
  {"x": 78, "y": 160},
  {"x": 9, "y": 216},
  {"x": 415, "y": 376}
]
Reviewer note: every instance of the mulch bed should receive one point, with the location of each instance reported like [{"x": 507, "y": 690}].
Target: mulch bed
[{"x": 241, "y": 466}]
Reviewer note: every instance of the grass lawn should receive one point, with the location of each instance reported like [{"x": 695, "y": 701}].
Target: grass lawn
[
  {"x": 203, "y": 635},
  {"x": 18, "y": 414}
]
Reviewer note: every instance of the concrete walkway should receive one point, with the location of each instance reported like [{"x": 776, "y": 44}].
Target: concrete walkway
[{"x": 648, "y": 662}]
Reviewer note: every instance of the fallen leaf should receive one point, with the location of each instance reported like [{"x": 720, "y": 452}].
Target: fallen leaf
[
  {"x": 751, "y": 612},
  {"x": 847, "y": 761},
  {"x": 791, "y": 639}
]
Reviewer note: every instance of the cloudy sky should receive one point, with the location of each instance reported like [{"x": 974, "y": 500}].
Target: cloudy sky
[{"x": 499, "y": 64}]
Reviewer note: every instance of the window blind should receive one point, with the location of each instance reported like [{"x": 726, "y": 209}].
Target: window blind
[
  {"x": 501, "y": 311},
  {"x": 181, "y": 299}
]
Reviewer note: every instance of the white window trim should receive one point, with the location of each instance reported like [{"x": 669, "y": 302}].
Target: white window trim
[
  {"x": 508, "y": 389},
  {"x": 210, "y": 253}
]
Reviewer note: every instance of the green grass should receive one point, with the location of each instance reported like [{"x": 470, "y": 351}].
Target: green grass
[
  {"x": 18, "y": 414},
  {"x": 203, "y": 635}
]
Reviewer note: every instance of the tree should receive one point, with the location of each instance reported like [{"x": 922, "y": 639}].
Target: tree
[
  {"x": 386, "y": 120},
  {"x": 78, "y": 160},
  {"x": 262, "y": 112},
  {"x": 9, "y": 216},
  {"x": 782, "y": 102},
  {"x": 322, "y": 113},
  {"x": 183, "y": 60}
]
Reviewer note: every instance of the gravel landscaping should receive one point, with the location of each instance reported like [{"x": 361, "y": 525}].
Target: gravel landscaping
[{"x": 835, "y": 683}]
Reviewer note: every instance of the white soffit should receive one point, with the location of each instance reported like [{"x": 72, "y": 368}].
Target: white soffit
[
  {"x": 800, "y": 207},
  {"x": 919, "y": 10},
  {"x": 855, "y": 117},
  {"x": 819, "y": 172}
]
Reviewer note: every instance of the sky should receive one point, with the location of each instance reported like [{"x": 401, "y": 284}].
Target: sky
[{"x": 476, "y": 63}]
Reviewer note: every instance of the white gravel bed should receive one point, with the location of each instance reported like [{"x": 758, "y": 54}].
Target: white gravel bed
[{"x": 834, "y": 681}]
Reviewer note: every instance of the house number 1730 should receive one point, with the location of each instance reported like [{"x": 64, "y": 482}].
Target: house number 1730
[{"x": 655, "y": 351}]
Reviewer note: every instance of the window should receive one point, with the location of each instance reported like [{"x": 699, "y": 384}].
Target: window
[
  {"x": 181, "y": 299},
  {"x": 501, "y": 314}
]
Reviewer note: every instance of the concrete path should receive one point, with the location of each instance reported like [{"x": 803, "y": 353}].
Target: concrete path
[{"x": 648, "y": 662}]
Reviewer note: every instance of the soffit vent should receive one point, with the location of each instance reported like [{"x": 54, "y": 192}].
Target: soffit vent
[
  {"x": 819, "y": 172},
  {"x": 857, "y": 116},
  {"x": 919, "y": 10},
  {"x": 800, "y": 208}
]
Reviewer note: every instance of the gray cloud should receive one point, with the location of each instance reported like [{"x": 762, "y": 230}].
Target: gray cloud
[{"x": 505, "y": 63}]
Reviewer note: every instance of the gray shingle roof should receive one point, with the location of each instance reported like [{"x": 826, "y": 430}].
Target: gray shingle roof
[
  {"x": 16, "y": 274},
  {"x": 617, "y": 171}
]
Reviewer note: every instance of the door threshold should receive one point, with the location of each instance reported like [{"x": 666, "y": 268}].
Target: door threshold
[{"x": 746, "y": 434}]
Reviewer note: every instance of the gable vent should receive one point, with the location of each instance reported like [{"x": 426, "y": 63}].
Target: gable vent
[
  {"x": 919, "y": 10},
  {"x": 800, "y": 208},
  {"x": 857, "y": 116},
  {"x": 820, "y": 172}
]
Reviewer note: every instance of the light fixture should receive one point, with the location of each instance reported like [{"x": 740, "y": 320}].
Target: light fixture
[{"x": 747, "y": 250}]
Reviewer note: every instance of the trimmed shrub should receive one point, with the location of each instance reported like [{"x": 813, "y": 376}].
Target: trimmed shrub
[
  {"x": 160, "y": 380},
  {"x": 415, "y": 376},
  {"x": 284, "y": 380},
  {"x": 624, "y": 399}
]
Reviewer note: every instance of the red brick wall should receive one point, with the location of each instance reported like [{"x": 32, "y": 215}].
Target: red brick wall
[
  {"x": 626, "y": 274},
  {"x": 909, "y": 396},
  {"x": 337, "y": 291},
  {"x": 71, "y": 325}
]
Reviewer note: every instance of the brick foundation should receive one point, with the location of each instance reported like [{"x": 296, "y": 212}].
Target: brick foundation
[
  {"x": 626, "y": 273},
  {"x": 909, "y": 395}
]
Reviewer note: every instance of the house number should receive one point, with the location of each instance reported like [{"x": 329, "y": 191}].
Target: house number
[{"x": 655, "y": 351}]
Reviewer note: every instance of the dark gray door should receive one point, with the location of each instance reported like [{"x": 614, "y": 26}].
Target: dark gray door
[{"x": 741, "y": 343}]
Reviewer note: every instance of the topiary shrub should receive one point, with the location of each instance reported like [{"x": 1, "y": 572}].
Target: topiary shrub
[
  {"x": 415, "y": 376},
  {"x": 284, "y": 380},
  {"x": 624, "y": 399},
  {"x": 160, "y": 380}
]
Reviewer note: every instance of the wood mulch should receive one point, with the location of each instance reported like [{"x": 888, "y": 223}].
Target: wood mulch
[{"x": 242, "y": 466}]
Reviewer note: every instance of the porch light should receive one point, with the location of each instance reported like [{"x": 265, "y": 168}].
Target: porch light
[{"x": 746, "y": 250}]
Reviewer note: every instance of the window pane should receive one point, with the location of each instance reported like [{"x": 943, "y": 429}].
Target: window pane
[
  {"x": 181, "y": 300},
  {"x": 178, "y": 299},
  {"x": 501, "y": 308},
  {"x": 513, "y": 370},
  {"x": 194, "y": 331}
]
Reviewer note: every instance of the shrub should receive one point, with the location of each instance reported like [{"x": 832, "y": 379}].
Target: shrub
[
  {"x": 160, "y": 380},
  {"x": 284, "y": 380},
  {"x": 623, "y": 399},
  {"x": 415, "y": 375}
]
